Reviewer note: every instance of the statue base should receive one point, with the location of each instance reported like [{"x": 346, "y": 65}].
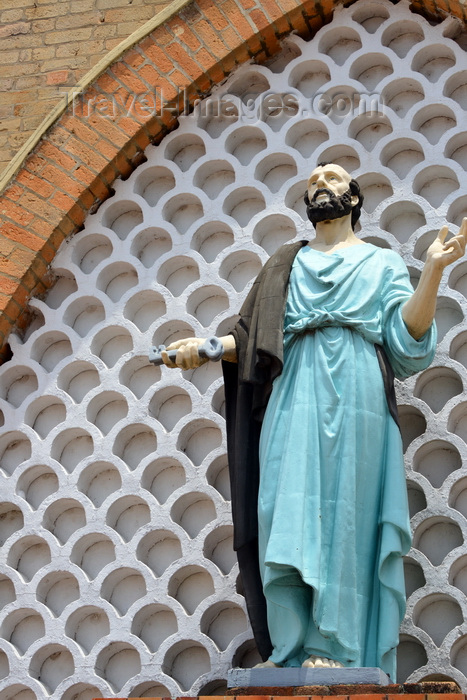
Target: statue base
[{"x": 290, "y": 677}]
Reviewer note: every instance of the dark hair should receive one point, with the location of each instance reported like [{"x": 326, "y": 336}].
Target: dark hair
[{"x": 354, "y": 188}]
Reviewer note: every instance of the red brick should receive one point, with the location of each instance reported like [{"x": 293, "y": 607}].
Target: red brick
[
  {"x": 216, "y": 18},
  {"x": 311, "y": 24},
  {"x": 80, "y": 128},
  {"x": 205, "y": 58},
  {"x": 40, "y": 227},
  {"x": 40, "y": 207},
  {"x": 8, "y": 307},
  {"x": 57, "y": 77},
  {"x": 14, "y": 212},
  {"x": 239, "y": 56},
  {"x": 327, "y": 7},
  {"x": 5, "y": 321},
  {"x": 129, "y": 79},
  {"x": 57, "y": 236},
  {"x": 184, "y": 61},
  {"x": 51, "y": 152},
  {"x": 14, "y": 268},
  {"x": 106, "y": 83},
  {"x": 274, "y": 12},
  {"x": 442, "y": 5},
  {"x": 240, "y": 23},
  {"x": 7, "y": 242},
  {"x": 57, "y": 177},
  {"x": 20, "y": 235},
  {"x": 154, "y": 78},
  {"x": 143, "y": 108},
  {"x": 58, "y": 136},
  {"x": 83, "y": 175},
  {"x": 88, "y": 155},
  {"x": 156, "y": 130},
  {"x": 86, "y": 199},
  {"x": 13, "y": 309},
  {"x": 203, "y": 85},
  {"x": 180, "y": 80},
  {"x": 289, "y": 5},
  {"x": 133, "y": 58},
  {"x": 8, "y": 285},
  {"x": 34, "y": 164},
  {"x": 231, "y": 38},
  {"x": 216, "y": 73},
  {"x": 123, "y": 166},
  {"x": 65, "y": 228},
  {"x": 61, "y": 201},
  {"x": 184, "y": 33},
  {"x": 210, "y": 38},
  {"x": 106, "y": 149},
  {"x": 124, "y": 100},
  {"x": 130, "y": 126},
  {"x": 162, "y": 37},
  {"x": 168, "y": 91},
  {"x": 142, "y": 138},
  {"x": 109, "y": 173},
  {"x": 109, "y": 129},
  {"x": 264, "y": 26},
  {"x": 77, "y": 215},
  {"x": 14, "y": 192},
  {"x": 156, "y": 55},
  {"x": 99, "y": 189},
  {"x": 48, "y": 252},
  {"x": 35, "y": 183},
  {"x": 131, "y": 150},
  {"x": 191, "y": 13},
  {"x": 36, "y": 276}
]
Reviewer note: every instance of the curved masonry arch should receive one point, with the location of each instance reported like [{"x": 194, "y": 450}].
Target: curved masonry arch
[
  {"x": 72, "y": 167},
  {"x": 116, "y": 525}
]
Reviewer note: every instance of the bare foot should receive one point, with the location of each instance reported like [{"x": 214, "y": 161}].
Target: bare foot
[
  {"x": 267, "y": 664},
  {"x": 321, "y": 662}
]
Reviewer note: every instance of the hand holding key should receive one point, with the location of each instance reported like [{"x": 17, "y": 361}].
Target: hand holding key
[{"x": 187, "y": 353}]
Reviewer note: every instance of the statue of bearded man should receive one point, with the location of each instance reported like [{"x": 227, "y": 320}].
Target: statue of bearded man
[{"x": 315, "y": 454}]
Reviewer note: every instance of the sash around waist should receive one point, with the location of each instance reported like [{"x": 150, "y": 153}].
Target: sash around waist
[{"x": 324, "y": 319}]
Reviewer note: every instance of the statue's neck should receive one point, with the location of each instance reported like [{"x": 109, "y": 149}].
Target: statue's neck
[{"x": 334, "y": 234}]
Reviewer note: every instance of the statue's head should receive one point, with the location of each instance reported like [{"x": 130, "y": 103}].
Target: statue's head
[{"x": 331, "y": 194}]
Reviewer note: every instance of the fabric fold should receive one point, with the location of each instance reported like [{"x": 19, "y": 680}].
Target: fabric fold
[{"x": 332, "y": 505}]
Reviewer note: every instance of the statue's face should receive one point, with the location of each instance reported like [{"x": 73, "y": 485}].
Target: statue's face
[
  {"x": 329, "y": 177},
  {"x": 329, "y": 194}
]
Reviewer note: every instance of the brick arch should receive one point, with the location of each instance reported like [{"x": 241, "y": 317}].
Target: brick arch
[{"x": 102, "y": 135}]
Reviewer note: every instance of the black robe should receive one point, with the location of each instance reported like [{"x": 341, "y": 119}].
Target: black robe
[{"x": 248, "y": 384}]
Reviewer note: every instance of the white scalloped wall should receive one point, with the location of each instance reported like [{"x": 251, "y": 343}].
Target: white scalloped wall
[{"x": 118, "y": 575}]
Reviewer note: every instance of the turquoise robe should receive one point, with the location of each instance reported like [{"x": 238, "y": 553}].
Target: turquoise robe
[{"x": 332, "y": 507}]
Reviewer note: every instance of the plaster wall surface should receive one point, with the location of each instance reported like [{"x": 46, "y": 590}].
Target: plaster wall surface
[{"x": 118, "y": 575}]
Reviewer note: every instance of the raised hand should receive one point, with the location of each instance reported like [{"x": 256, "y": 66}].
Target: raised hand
[
  {"x": 419, "y": 311},
  {"x": 442, "y": 253}
]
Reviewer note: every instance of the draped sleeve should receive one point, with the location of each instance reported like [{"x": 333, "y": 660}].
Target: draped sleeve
[{"x": 405, "y": 354}]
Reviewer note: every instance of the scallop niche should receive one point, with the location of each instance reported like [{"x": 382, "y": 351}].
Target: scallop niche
[{"x": 118, "y": 574}]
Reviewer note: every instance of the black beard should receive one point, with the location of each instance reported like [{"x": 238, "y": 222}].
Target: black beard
[{"x": 335, "y": 207}]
